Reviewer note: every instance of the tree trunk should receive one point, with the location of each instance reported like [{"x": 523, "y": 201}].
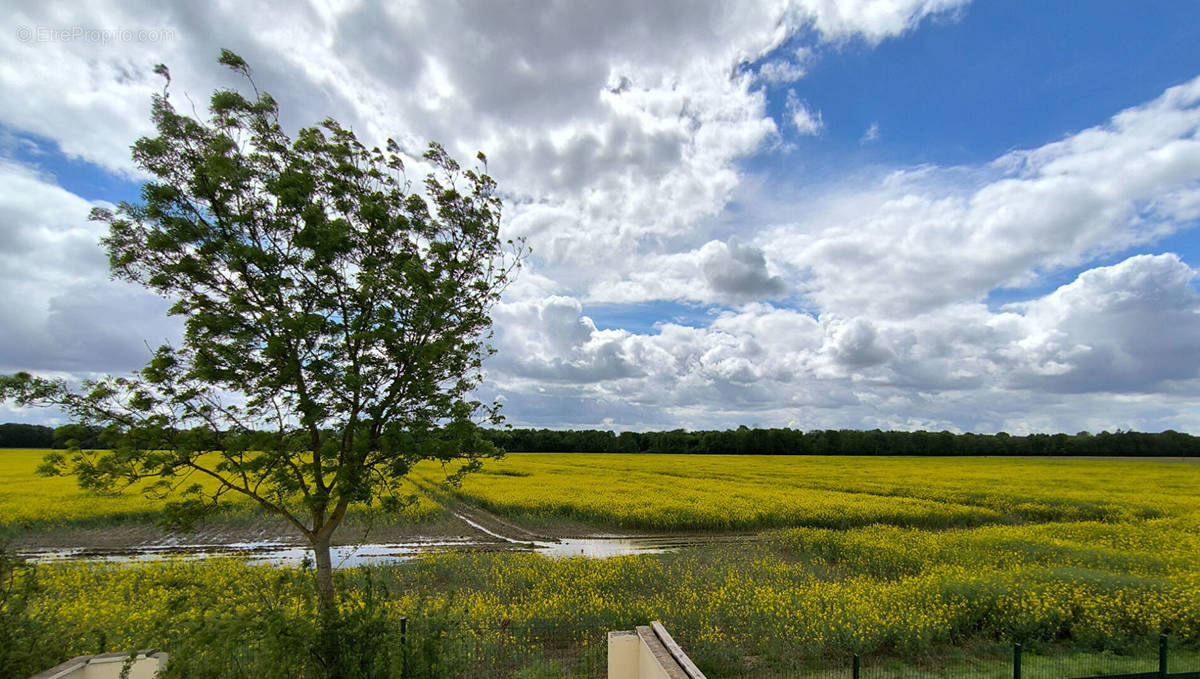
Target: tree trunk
[
  {"x": 327, "y": 604},
  {"x": 325, "y": 594}
]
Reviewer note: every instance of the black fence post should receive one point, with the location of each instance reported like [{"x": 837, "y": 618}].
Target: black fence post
[
  {"x": 856, "y": 666},
  {"x": 1162, "y": 656},
  {"x": 1016, "y": 661},
  {"x": 404, "y": 647}
]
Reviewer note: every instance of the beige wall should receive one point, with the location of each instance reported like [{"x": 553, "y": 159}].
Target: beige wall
[
  {"x": 624, "y": 653},
  {"x": 107, "y": 666},
  {"x": 646, "y": 654}
]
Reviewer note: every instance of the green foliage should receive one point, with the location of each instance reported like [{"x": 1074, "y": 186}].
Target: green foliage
[
  {"x": 77, "y": 436},
  {"x": 25, "y": 436},
  {"x": 785, "y": 441},
  {"x": 22, "y": 635},
  {"x": 335, "y": 319}
]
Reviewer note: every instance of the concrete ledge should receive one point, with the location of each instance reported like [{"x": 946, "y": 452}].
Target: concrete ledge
[
  {"x": 655, "y": 661},
  {"x": 146, "y": 664},
  {"x": 685, "y": 663},
  {"x": 648, "y": 652}
]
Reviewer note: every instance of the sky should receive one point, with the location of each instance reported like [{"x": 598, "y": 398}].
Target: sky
[{"x": 904, "y": 214}]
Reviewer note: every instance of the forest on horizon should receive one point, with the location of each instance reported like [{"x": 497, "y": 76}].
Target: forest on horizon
[{"x": 747, "y": 441}]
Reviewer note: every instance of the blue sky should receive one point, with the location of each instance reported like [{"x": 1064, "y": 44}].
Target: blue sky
[
  {"x": 84, "y": 179},
  {"x": 935, "y": 214},
  {"x": 996, "y": 76}
]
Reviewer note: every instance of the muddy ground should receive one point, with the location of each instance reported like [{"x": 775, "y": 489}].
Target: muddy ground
[{"x": 462, "y": 527}]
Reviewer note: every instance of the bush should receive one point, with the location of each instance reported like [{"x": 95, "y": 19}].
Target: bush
[{"x": 22, "y": 638}]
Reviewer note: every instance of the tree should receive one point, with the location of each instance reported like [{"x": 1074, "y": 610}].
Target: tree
[
  {"x": 335, "y": 319},
  {"x": 14, "y": 435}
]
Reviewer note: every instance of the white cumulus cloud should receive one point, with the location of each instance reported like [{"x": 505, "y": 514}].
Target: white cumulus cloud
[{"x": 804, "y": 120}]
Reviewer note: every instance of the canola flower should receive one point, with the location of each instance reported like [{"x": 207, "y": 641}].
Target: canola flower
[
  {"x": 746, "y": 492},
  {"x": 28, "y": 500},
  {"x": 889, "y": 557},
  {"x": 808, "y": 594}
]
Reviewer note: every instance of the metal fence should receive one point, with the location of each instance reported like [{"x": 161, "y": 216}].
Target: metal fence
[
  {"x": 1015, "y": 663},
  {"x": 531, "y": 652},
  {"x": 1022, "y": 665},
  {"x": 501, "y": 651}
]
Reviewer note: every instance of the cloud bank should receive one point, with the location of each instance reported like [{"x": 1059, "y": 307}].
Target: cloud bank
[{"x": 625, "y": 135}]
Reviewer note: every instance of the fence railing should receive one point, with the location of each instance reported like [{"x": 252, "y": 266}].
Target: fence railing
[
  {"x": 1065, "y": 665},
  {"x": 501, "y": 651},
  {"x": 505, "y": 651}
]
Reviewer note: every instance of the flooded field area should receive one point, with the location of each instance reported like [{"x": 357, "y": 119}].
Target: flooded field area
[{"x": 480, "y": 530}]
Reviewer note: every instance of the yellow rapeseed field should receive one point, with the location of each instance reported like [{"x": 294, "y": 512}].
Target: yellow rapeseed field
[
  {"x": 27, "y": 499},
  {"x": 810, "y": 595},
  {"x": 668, "y": 492},
  {"x": 889, "y": 557},
  {"x": 750, "y": 492}
]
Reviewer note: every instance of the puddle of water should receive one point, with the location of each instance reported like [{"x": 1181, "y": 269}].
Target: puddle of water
[
  {"x": 599, "y": 548},
  {"x": 279, "y": 553},
  {"x": 349, "y": 556},
  {"x": 259, "y": 552},
  {"x": 593, "y": 548}
]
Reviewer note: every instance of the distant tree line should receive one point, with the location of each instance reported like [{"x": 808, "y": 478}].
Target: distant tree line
[
  {"x": 41, "y": 436},
  {"x": 746, "y": 441},
  {"x": 25, "y": 436}
]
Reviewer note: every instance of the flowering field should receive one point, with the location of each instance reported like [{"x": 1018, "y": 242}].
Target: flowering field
[
  {"x": 682, "y": 492},
  {"x": 749, "y": 492},
  {"x": 799, "y": 599},
  {"x": 30, "y": 501},
  {"x": 894, "y": 558},
  {"x": 26, "y": 498}
]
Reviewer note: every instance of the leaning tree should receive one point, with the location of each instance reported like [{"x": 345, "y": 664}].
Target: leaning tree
[{"x": 335, "y": 320}]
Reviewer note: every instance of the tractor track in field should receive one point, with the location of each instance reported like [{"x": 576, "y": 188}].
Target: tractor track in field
[
  {"x": 573, "y": 538},
  {"x": 466, "y": 527}
]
